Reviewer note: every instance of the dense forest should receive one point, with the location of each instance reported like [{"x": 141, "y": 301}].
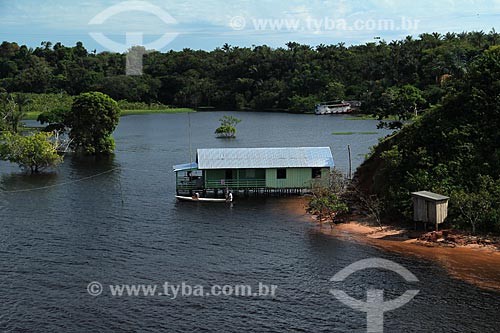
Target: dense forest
[
  {"x": 292, "y": 78},
  {"x": 453, "y": 149}
]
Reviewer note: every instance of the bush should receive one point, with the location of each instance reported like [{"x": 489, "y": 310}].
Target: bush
[
  {"x": 35, "y": 152},
  {"x": 327, "y": 206}
]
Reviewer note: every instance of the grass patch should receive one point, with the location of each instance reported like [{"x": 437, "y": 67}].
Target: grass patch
[
  {"x": 354, "y": 133},
  {"x": 34, "y": 115},
  {"x": 31, "y": 115},
  {"x": 173, "y": 110}
]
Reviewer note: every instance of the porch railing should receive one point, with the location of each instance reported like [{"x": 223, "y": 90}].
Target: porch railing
[
  {"x": 189, "y": 185},
  {"x": 236, "y": 183}
]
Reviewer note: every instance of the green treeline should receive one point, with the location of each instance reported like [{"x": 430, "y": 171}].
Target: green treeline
[{"x": 293, "y": 78}]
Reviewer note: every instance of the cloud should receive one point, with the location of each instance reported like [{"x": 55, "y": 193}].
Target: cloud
[{"x": 204, "y": 22}]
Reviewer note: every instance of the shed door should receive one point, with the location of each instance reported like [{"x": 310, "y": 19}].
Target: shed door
[{"x": 428, "y": 211}]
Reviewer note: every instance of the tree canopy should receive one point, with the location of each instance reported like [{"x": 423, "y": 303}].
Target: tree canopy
[
  {"x": 92, "y": 119},
  {"x": 293, "y": 77}
]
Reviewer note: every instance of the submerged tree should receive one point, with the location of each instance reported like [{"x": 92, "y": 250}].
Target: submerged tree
[
  {"x": 227, "y": 128},
  {"x": 92, "y": 119},
  {"x": 34, "y": 152}
]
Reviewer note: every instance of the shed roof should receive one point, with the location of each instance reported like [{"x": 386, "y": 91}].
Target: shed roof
[
  {"x": 430, "y": 196},
  {"x": 264, "y": 158}
]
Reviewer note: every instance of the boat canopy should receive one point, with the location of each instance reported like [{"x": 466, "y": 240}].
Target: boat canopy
[{"x": 183, "y": 167}]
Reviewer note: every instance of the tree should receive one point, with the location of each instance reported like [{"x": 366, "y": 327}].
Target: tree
[
  {"x": 371, "y": 204},
  {"x": 302, "y": 104},
  {"x": 55, "y": 119},
  {"x": 327, "y": 203},
  {"x": 326, "y": 206},
  {"x": 227, "y": 128},
  {"x": 334, "y": 91},
  {"x": 473, "y": 206},
  {"x": 402, "y": 102},
  {"x": 35, "y": 152},
  {"x": 92, "y": 119}
]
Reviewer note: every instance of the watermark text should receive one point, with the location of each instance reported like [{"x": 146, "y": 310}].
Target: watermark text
[{"x": 183, "y": 289}]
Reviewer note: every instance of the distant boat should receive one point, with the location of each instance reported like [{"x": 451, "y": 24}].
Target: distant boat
[
  {"x": 341, "y": 107},
  {"x": 194, "y": 199}
]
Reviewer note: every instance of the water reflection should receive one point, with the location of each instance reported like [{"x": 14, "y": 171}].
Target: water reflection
[{"x": 24, "y": 181}]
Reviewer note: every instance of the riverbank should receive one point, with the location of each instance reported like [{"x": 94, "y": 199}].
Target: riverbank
[
  {"x": 34, "y": 115},
  {"x": 475, "y": 263}
]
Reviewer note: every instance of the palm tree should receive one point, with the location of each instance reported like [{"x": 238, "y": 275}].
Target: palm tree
[
  {"x": 477, "y": 38},
  {"x": 463, "y": 35},
  {"x": 494, "y": 37},
  {"x": 450, "y": 36},
  {"x": 46, "y": 44},
  {"x": 437, "y": 35},
  {"x": 14, "y": 112}
]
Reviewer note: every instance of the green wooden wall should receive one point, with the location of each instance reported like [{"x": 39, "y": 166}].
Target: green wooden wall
[{"x": 295, "y": 178}]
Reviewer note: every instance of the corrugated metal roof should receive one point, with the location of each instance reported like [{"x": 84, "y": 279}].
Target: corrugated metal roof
[
  {"x": 182, "y": 167},
  {"x": 263, "y": 158},
  {"x": 430, "y": 195}
]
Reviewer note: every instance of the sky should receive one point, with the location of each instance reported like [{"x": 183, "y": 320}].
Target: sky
[{"x": 114, "y": 25}]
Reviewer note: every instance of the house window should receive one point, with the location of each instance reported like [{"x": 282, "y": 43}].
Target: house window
[
  {"x": 250, "y": 173},
  {"x": 281, "y": 173},
  {"x": 316, "y": 173}
]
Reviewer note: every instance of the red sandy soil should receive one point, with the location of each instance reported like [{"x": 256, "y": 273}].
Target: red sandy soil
[
  {"x": 474, "y": 263},
  {"x": 478, "y": 264}
]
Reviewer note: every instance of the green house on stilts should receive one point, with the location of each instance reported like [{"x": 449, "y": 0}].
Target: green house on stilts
[{"x": 255, "y": 170}]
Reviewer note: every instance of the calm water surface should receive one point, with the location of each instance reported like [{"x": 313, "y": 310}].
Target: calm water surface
[{"x": 119, "y": 224}]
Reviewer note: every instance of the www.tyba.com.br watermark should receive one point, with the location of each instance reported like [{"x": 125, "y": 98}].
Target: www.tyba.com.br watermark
[
  {"x": 134, "y": 40},
  {"x": 323, "y": 24},
  {"x": 179, "y": 290},
  {"x": 375, "y": 305}
]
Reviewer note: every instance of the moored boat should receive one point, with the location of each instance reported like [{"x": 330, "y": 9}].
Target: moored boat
[
  {"x": 341, "y": 107},
  {"x": 195, "y": 199}
]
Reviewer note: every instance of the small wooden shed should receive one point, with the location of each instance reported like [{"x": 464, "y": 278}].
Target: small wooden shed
[{"x": 429, "y": 207}]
